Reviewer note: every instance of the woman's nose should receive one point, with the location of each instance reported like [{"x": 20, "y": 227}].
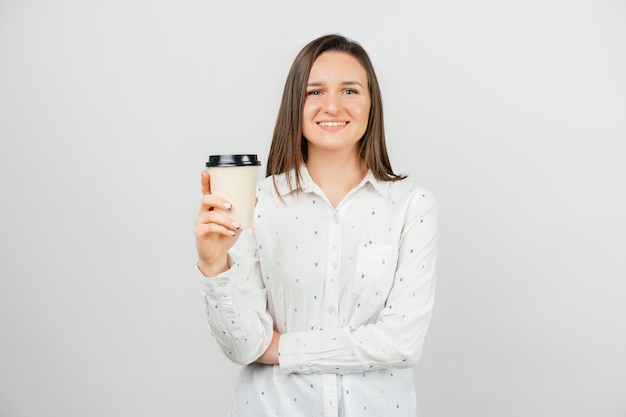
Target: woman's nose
[{"x": 331, "y": 103}]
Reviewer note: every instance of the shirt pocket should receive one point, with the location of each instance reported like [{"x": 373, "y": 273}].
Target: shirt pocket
[{"x": 375, "y": 271}]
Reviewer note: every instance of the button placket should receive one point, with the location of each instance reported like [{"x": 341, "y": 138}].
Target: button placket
[
  {"x": 333, "y": 268},
  {"x": 330, "y": 395}
]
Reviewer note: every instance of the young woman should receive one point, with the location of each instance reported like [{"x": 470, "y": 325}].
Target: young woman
[{"x": 326, "y": 301}]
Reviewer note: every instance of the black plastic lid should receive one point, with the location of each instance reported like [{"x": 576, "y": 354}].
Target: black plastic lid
[{"x": 233, "y": 160}]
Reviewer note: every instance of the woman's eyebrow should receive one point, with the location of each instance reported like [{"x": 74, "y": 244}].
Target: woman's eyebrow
[{"x": 319, "y": 84}]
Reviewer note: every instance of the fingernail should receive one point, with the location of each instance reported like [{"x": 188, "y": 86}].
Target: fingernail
[
  {"x": 227, "y": 206},
  {"x": 236, "y": 225},
  {"x": 231, "y": 232}
]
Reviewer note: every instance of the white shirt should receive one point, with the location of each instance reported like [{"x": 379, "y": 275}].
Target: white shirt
[{"x": 350, "y": 289}]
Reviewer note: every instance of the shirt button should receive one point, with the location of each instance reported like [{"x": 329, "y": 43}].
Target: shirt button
[
  {"x": 334, "y": 265},
  {"x": 331, "y": 309}
]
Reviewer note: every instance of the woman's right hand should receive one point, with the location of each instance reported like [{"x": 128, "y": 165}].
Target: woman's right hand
[{"x": 215, "y": 232}]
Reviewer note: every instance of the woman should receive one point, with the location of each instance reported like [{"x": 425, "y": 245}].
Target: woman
[{"x": 327, "y": 299}]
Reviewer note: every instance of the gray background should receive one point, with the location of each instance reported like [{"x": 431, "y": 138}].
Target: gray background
[{"x": 512, "y": 113}]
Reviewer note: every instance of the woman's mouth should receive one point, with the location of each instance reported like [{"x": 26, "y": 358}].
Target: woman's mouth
[{"x": 332, "y": 124}]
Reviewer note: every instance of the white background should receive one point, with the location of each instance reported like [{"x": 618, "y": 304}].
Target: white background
[{"x": 513, "y": 113}]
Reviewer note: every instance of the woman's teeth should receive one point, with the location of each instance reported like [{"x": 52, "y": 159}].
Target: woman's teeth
[{"x": 332, "y": 124}]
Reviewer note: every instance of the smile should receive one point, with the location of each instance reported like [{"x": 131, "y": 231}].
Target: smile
[{"x": 332, "y": 124}]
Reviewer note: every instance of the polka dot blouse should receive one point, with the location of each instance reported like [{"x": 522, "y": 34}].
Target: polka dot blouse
[{"x": 350, "y": 289}]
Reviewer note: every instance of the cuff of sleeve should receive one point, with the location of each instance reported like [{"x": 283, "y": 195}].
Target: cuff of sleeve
[
  {"x": 211, "y": 285},
  {"x": 216, "y": 287},
  {"x": 291, "y": 353},
  {"x": 211, "y": 282}
]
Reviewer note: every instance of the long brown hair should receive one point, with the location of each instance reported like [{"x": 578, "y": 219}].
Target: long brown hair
[{"x": 289, "y": 148}]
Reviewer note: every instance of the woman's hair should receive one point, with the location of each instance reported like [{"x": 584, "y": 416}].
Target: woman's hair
[{"x": 289, "y": 148}]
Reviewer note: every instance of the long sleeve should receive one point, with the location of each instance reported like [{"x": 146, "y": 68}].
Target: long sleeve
[
  {"x": 236, "y": 304},
  {"x": 395, "y": 338}
]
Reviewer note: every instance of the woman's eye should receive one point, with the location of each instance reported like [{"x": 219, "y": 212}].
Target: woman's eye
[
  {"x": 351, "y": 91},
  {"x": 314, "y": 93}
]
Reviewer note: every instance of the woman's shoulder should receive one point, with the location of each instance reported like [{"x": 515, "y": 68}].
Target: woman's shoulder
[
  {"x": 264, "y": 185},
  {"x": 414, "y": 192},
  {"x": 273, "y": 183},
  {"x": 408, "y": 186}
]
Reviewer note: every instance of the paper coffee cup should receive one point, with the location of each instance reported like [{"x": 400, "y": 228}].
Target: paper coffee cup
[{"x": 235, "y": 178}]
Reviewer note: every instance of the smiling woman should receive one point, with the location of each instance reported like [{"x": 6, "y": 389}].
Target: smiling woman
[{"x": 326, "y": 300}]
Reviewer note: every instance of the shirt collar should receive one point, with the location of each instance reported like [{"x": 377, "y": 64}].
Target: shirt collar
[{"x": 308, "y": 185}]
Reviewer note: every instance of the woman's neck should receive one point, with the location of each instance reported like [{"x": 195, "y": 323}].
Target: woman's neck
[{"x": 336, "y": 174}]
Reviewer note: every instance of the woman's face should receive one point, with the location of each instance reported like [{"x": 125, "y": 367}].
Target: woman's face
[{"x": 337, "y": 103}]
